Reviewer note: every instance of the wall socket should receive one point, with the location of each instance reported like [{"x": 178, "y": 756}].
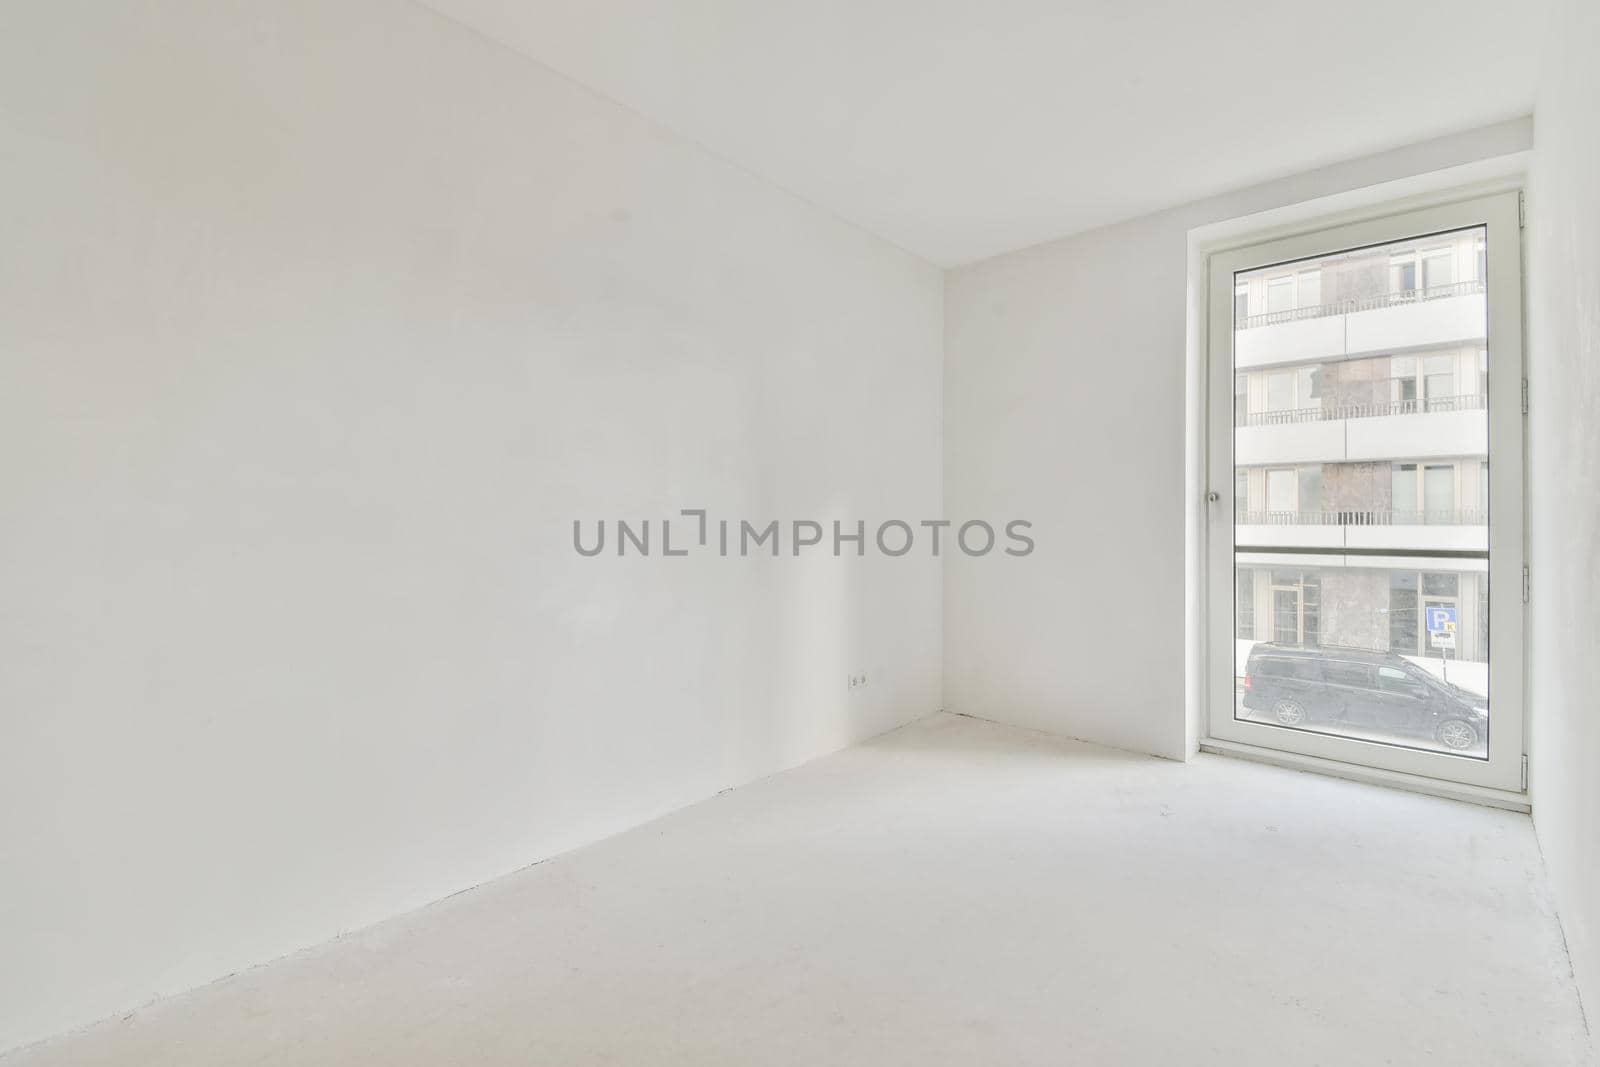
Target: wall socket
[{"x": 858, "y": 681}]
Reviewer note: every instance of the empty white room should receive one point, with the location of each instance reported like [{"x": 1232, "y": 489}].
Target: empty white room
[{"x": 728, "y": 533}]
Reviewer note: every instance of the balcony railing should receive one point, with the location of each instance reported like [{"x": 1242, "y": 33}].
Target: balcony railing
[
  {"x": 1362, "y": 410},
  {"x": 1371, "y": 303},
  {"x": 1423, "y": 517}
]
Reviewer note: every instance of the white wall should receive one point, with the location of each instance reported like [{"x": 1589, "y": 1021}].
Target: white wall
[
  {"x": 1069, "y": 400},
  {"x": 319, "y": 324},
  {"x": 1564, "y": 478}
]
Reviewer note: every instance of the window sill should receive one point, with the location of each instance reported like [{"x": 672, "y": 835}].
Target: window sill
[{"x": 1471, "y": 794}]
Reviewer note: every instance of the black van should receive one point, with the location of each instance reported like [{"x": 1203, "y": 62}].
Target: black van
[{"x": 1353, "y": 687}]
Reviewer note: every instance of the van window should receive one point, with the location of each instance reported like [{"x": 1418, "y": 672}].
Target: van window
[
  {"x": 1396, "y": 680},
  {"x": 1272, "y": 667},
  {"x": 1349, "y": 674}
]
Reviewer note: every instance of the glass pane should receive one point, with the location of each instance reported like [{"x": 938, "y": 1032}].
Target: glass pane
[
  {"x": 1403, "y": 492},
  {"x": 1280, "y": 392},
  {"x": 1403, "y": 274},
  {"x": 1310, "y": 289},
  {"x": 1437, "y": 268},
  {"x": 1310, "y": 493},
  {"x": 1280, "y": 491},
  {"x": 1438, "y": 493},
  {"x": 1361, "y": 592},
  {"x": 1305, "y": 386}
]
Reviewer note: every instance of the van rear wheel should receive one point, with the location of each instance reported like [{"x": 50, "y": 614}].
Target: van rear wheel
[
  {"x": 1458, "y": 734},
  {"x": 1289, "y": 712}
]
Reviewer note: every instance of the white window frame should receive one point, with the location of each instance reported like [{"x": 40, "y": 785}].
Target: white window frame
[{"x": 1503, "y": 769}]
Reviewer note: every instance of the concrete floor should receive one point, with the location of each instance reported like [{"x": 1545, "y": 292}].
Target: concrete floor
[{"x": 953, "y": 893}]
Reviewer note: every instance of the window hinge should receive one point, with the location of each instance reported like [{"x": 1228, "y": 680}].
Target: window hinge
[
  {"x": 1525, "y": 583},
  {"x": 1524, "y": 774},
  {"x": 1522, "y": 211},
  {"x": 1524, "y": 396}
]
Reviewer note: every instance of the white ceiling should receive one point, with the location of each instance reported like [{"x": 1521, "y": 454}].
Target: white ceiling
[{"x": 962, "y": 128}]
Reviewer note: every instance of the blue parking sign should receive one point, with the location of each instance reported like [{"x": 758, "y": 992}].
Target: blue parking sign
[{"x": 1441, "y": 619}]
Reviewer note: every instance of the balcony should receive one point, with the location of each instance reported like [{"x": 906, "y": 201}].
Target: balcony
[
  {"x": 1413, "y": 429},
  {"x": 1454, "y": 529},
  {"x": 1393, "y": 322},
  {"x": 1414, "y": 406}
]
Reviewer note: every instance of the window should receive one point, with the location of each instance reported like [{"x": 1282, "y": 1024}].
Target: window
[
  {"x": 1241, "y": 303},
  {"x": 1403, "y": 491},
  {"x": 1241, "y": 491},
  {"x": 1441, "y": 585},
  {"x": 1351, "y": 674},
  {"x": 1245, "y": 596},
  {"x": 1403, "y": 272},
  {"x": 1357, "y": 534},
  {"x": 1395, "y": 680},
  {"x": 1434, "y": 268},
  {"x": 1439, "y": 493},
  {"x": 1281, "y": 492},
  {"x": 1296, "y": 608},
  {"x": 1280, "y": 391},
  {"x": 1307, "y": 386},
  {"x": 1310, "y": 479},
  {"x": 1292, "y": 392},
  {"x": 1309, "y": 289},
  {"x": 1438, "y": 267},
  {"x": 1438, "y": 379},
  {"x": 1403, "y": 391},
  {"x": 1404, "y": 618},
  {"x": 1241, "y": 400},
  {"x": 1427, "y": 495},
  {"x": 1280, "y": 294},
  {"x": 1483, "y": 619}
]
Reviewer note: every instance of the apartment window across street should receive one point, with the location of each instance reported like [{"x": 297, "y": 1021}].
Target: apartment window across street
[{"x": 1353, "y": 588}]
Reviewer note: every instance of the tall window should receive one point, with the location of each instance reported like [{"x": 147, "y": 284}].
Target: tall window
[
  {"x": 1280, "y": 391},
  {"x": 1425, "y": 495},
  {"x": 1307, "y": 386},
  {"x": 1438, "y": 267},
  {"x": 1280, "y": 293},
  {"x": 1352, "y": 584},
  {"x": 1246, "y": 596},
  {"x": 1308, "y": 286},
  {"x": 1403, "y": 272},
  {"x": 1403, "y": 386},
  {"x": 1282, "y": 493},
  {"x": 1438, "y": 379},
  {"x": 1439, "y": 493},
  {"x": 1296, "y": 607},
  {"x": 1403, "y": 491},
  {"x": 1310, "y": 479},
  {"x": 1404, "y": 620}
]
